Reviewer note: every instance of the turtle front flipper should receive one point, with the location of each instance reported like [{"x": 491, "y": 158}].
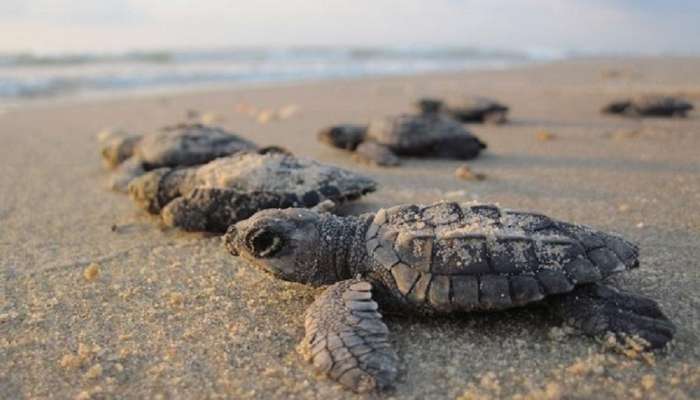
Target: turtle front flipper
[
  {"x": 617, "y": 107},
  {"x": 215, "y": 209},
  {"x": 375, "y": 153},
  {"x": 347, "y": 340},
  {"x": 598, "y": 309},
  {"x": 459, "y": 147},
  {"x": 155, "y": 189},
  {"x": 124, "y": 173}
]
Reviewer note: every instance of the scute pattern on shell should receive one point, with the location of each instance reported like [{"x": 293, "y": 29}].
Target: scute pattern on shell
[
  {"x": 189, "y": 144},
  {"x": 451, "y": 256},
  {"x": 308, "y": 181},
  {"x": 414, "y": 131}
]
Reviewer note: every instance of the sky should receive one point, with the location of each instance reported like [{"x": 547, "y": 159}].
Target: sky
[{"x": 609, "y": 26}]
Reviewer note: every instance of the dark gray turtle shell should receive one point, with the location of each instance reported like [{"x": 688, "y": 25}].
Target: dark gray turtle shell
[
  {"x": 188, "y": 144},
  {"x": 461, "y": 257},
  {"x": 308, "y": 181},
  {"x": 650, "y": 105},
  {"x": 466, "y": 109},
  {"x": 416, "y": 134}
]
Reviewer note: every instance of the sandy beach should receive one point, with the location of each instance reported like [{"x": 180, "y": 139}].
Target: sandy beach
[{"x": 98, "y": 300}]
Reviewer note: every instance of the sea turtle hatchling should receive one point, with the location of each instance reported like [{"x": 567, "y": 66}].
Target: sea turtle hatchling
[
  {"x": 466, "y": 109},
  {"x": 649, "y": 106},
  {"x": 437, "y": 259},
  {"x": 215, "y": 195},
  {"x": 180, "y": 145},
  {"x": 384, "y": 139}
]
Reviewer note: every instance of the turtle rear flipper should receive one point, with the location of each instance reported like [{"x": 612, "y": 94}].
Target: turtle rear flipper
[
  {"x": 598, "y": 309},
  {"x": 347, "y": 340},
  {"x": 496, "y": 117},
  {"x": 375, "y": 153}
]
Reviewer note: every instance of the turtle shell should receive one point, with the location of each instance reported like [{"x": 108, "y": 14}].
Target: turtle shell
[
  {"x": 476, "y": 104},
  {"x": 476, "y": 109},
  {"x": 415, "y": 134},
  {"x": 449, "y": 256},
  {"x": 189, "y": 144},
  {"x": 305, "y": 182},
  {"x": 660, "y": 105}
]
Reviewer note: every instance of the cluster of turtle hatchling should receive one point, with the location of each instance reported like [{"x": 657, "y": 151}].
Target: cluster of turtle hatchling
[
  {"x": 204, "y": 178},
  {"x": 442, "y": 258}
]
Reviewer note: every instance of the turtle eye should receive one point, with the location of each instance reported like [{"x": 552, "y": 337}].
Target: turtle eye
[{"x": 264, "y": 243}]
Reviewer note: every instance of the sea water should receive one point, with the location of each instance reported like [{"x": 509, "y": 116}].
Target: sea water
[{"x": 28, "y": 76}]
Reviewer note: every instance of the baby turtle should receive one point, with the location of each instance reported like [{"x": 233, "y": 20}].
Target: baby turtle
[
  {"x": 383, "y": 140},
  {"x": 222, "y": 192},
  {"x": 467, "y": 109},
  {"x": 650, "y": 106},
  {"x": 438, "y": 259},
  {"x": 175, "y": 146}
]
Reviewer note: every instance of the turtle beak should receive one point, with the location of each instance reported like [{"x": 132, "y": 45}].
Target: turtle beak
[{"x": 230, "y": 240}]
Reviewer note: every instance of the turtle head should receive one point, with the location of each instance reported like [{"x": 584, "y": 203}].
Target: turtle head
[
  {"x": 617, "y": 107},
  {"x": 117, "y": 147},
  {"x": 429, "y": 105},
  {"x": 346, "y": 136},
  {"x": 283, "y": 242}
]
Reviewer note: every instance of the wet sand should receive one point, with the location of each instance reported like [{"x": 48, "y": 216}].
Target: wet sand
[{"x": 97, "y": 300}]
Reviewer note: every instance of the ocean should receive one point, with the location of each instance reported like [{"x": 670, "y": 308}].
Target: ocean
[{"x": 24, "y": 77}]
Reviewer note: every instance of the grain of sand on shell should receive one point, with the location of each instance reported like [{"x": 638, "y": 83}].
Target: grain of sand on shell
[{"x": 97, "y": 300}]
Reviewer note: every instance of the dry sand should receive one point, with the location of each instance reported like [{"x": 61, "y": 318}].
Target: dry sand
[{"x": 97, "y": 300}]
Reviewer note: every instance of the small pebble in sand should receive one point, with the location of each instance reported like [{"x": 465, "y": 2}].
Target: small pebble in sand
[
  {"x": 84, "y": 351},
  {"x": 466, "y": 173},
  {"x": 91, "y": 272},
  {"x": 640, "y": 225},
  {"x": 623, "y": 207},
  {"x": 545, "y": 136},
  {"x": 84, "y": 395},
  {"x": 288, "y": 111},
  {"x": 94, "y": 372},
  {"x": 210, "y": 118},
  {"x": 648, "y": 382},
  {"x": 265, "y": 116},
  {"x": 176, "y": 299},
  {"x": 70, "y": 361}
]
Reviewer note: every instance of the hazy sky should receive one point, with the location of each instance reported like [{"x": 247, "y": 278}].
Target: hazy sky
[{"x": 640, "y": 26}]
